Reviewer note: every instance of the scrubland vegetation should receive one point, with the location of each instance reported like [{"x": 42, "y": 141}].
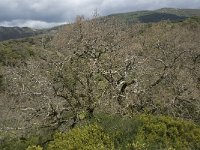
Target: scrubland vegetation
[{"x": 102, "y": 84}]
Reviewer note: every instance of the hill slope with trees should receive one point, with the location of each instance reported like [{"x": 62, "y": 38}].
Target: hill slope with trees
[
  {"x": 172, "y": 14},
  {"x": 72, "y": 84}
]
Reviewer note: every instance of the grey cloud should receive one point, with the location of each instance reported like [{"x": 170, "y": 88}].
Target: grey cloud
[
  {"x": 36, "y": 24},
  {"x": 56, "y": 11}
]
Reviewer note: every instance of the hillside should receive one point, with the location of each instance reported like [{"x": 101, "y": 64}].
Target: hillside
[
  {"x": 7, "y": 33},
  {"x": 171, "y": 14},
  {"x": 102, "y": 85},
  {"x": 180, "y": 12}
]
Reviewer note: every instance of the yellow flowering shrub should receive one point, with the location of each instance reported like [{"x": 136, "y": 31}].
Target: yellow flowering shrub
[
  {"x": 161, "y": 132},
  {"x": 34, "y": 147},
  {"x": 91, "y": 137}
]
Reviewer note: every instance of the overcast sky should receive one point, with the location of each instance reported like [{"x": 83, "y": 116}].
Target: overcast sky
[{"x": 47, "y": 13}]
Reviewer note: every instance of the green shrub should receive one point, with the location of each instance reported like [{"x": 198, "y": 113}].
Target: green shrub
[
  {"x": 90, "y": 137},
  {"x": 150, "y": 132},
  {"x": 121, "y": 129},
  {"x": 14, "y": 52},
  {"x": 9, "y": 141},
  {"x": 117, "y": 132},
  {"x": 161, "y": 132}
]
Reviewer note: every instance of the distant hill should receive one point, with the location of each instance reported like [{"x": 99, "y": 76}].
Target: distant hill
[
  {"x": 171, "y": 14},
  {"x": 181, "y": 12},
  {"x": 7, "y": 33}
]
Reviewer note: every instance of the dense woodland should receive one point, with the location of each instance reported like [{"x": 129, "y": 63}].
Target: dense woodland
[{"x": 102, "y": 84}]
